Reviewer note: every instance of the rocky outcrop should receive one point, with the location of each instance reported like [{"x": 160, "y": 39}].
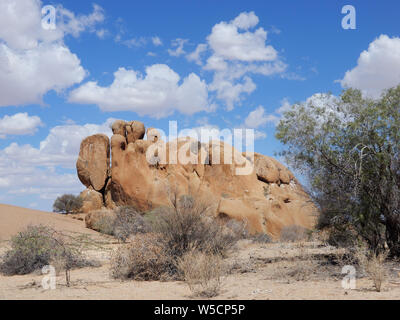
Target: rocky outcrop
[
  {"x": 91, "y": 200},
  {"x": 94, "y": 161},
  {"x": 258, "y": 189}
]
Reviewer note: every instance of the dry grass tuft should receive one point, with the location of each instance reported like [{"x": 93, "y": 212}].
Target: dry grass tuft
[
  {"x": 373, "y": 265},
  {"x": 143, "y": 259},
  {"x": 293, "y": 233},
  {"x": 202, "y": 272}
]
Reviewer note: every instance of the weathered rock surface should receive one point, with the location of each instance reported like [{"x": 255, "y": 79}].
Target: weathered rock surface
[
  {"x": 92, "y": 200},
  {"x": 94, "y": 161},
  {"x": 260, "y": 191}
]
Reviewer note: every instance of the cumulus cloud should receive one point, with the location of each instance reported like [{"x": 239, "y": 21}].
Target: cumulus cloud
[
  {"x": 43, "y": 171},
  {"x": 19, "y": 124},
  {"x": 25, "y": 76},
  {"x": 230, "y": 44},
  {"x": 258, "y": 118},
  {"x": 378, "y": 68},
  {"x": 246, "y": 20},
  {"x": 237, "y": 50},
  {"x": 29, "y": 54},
  {"x": 157, "y": 93}
]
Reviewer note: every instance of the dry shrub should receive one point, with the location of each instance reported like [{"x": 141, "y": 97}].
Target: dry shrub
[
  {"x": 261, "y": 238},
  {"x": 188, "y": 225},
  {"x": 202, "y": 272},
  {"x": 38, "y": 246},
  {"x": 175, "y": 231},
  {"x": 293, "y": 233},
  {"x": 101, "y": 221},
  {"x": 128, "y": 221},
  {"x": 373, "y": 265},
  {"x": 342, "y": 236},
  {"x": 121, "y": 223},
  {"x": 301, "y": 267},
  {"x": 143, "y": 259}
]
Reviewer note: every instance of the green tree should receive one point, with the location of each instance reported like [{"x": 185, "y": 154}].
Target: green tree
[
  {"x": 348, "y": 148},
  {"x": 67, "y": 203}
]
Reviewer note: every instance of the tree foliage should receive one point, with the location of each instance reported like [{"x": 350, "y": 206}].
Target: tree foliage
[
  {"x": 67, "y": 203},
  {"x": 348, "y": 148}
]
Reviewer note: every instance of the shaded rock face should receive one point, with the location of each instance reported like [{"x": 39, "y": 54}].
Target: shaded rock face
[{"x": 260, "y": 191}]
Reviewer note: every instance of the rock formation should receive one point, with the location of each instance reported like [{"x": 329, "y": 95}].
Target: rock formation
[{"x": 143, "y": 173}]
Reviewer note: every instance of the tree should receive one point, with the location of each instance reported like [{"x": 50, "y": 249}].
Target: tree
[
  {"x": 348, "y": 148},
  {"x": 67, "y": 203}
]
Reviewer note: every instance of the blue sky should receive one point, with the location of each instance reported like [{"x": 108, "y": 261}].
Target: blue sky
[{"x": 136, "y": 60}]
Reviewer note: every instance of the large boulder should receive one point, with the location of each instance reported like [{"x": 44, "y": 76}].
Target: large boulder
[
  {"x": 258, "y": 190},
  {"x": 91, "y": 200},
  {"x": 94, "y": 161}
]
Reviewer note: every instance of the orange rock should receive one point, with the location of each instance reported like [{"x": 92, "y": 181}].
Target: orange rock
[
  {"x": 94, "y": 161},
  {"x": 143, "y": 172}
]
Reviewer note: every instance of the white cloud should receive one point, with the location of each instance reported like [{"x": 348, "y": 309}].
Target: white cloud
[
  {"x": 285, "y": 106},
  {"x": 229, "y": 90},
  {"x": 258, "y": 118},
  {"x": 156, "y": 41},
  {"x": 246, "y": 20},
  {"x": 59, "y": 148},
  {"x": 134, "y": 42},
  {"x": 178, "y": 44},
  {"x": 33, "y": 60},
  {"x": 237, "y": 51},
  {"x": 69, "y": 23},
  {"x": 230, "y": 44},
  {"x": 21, "y": 28},
  {"x": 19, "y": 124},
  {"x": 25, "y": 76},
  {"x": 378, "y": 68},
  {"x": 45, "y": 171},
  {"x": 196, "y": 54},
  {"x": 102, "y": 33},
  {"x": 156, "y": 94}
]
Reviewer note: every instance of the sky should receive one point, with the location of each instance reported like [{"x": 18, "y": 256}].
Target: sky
[{"x": 205, "y": 64}]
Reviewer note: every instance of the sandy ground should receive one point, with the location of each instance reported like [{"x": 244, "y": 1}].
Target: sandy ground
[
  {"x": 254, "y": 271},
  {"x": 14, "y": 219}
]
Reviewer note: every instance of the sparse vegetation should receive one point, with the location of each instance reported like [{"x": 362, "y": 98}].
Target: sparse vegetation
[
  {"x": 143, "y": 259},
  {"x": 121, "y": 223},
  {"x": 68, "y": 203},
  {"x": 104, "y": 221},
  {"x": 202, "y": 272},
  {"x": 177, "y": 230},
  {"x": 293, "y": 233},
  {"x": 38, "y": 246},
  {"x": 261, "y": 238},
  {"x": 373, "y": 265},
  {"x": 187, "y": 225},
  {"x": 128, "y": 221}
]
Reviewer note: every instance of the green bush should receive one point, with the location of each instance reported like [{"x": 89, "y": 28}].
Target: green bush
[{"x": 68, "y": 203}]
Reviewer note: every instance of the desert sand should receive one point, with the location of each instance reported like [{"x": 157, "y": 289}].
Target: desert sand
[
  {"x": 254, "y": 271},
  {"x": 15, "y": 219}
]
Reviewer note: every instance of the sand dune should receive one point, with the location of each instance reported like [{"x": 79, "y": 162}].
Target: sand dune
[{"x": 14, "y": 219}]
